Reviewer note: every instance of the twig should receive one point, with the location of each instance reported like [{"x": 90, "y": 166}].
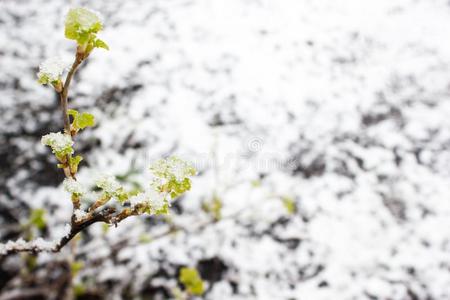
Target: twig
[
  {"x": 92, "y": 216},
  {"x": 65, "y": 90},
  {"x": 23, "y": 293},
  {"x": 63, "y": 95},
  {"x": 40, "y": 245},
  {"x": 102, "y": 216}
]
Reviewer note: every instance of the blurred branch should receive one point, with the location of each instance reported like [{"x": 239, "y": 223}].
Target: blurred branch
[{"x": 24, "y": 293}]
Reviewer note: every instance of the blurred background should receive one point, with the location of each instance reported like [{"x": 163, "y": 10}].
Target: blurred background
[{"x": 320, "y": 129}]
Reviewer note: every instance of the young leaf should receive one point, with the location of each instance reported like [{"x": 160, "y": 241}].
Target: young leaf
[
  {"x": 101, "y": 44},
  {"x": 289, "y": 204},
  {"x": 72, "y": 112},
  {"x": 76, "y": 267},
  {"x": 213, "y": 207},
  {"x": 74, "y": 162},
  {"x": 81, "y": 121},
  {"x": 81, "y": 25},
  {"x": 192, "y": 281},
  {"x": 37, "y": 218},
  {"x": 85, "y": 120},
  {"x": 51, "y": 70},
  {"x": 60, "y": 143},
  {"x": 79, "y": 289}
]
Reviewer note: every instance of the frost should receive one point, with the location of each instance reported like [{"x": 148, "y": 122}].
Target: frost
[
  {"x": 20, "y": 245},
  {"x": 154, "y": 199},
  {"x": 74, "y": 187},
  {"x": 82, "y": 25},
  {"x": 108, "y": 184},
  {"x": 79, "y": 214},
  {"x": 172, "y": 175},
  {"x": 138, "y": 199},
  {"x": 60, "y": 143},
  {"x": 66, "y": 230},
  {"x": 51, "y": 70},
  {"x": 306, "y": 101},
  {"x": 172, "y": 167},
  {"x": 81, "y": 19}
]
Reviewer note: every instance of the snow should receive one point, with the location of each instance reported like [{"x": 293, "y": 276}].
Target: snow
[
  {"x": 340, "y": 105},
  {"x": 79, "y": 215},
  {"x": 52, "y": 69},
  {"x": 39, "y": 244},
  {"x": 74, "y": 187},
  {"x": 107, "y": 183}
]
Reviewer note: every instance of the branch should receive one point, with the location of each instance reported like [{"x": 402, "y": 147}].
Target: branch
[
  {"x": 63, "y": 95},
  {"x": 21, "y": 293},
  {"x": 65, "y": 90},
  {"x": 103, "y": 215},
  {"x": 50, "y": 72},
  {"x": 40, "y": 245}
]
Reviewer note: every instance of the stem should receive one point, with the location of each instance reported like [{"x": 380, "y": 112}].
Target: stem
[
  {"x": 102, "y": 200},
  {"x": 102, "y": 216},
  {"x": 65, "y": 90},
  {"x": 63, "y": 93},
  {"x": 63, "y": 101}
]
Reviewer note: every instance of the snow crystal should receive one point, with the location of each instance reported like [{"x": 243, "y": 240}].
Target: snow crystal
[
  {"x": 73, "y": 186},
  {"x": 107, "y": 183},
  {"x": 59, "y": 142},
  {"x": 79, "y": 214},
  {"x": 52, "y": 69},
  {"x": 36, "y": 245}
]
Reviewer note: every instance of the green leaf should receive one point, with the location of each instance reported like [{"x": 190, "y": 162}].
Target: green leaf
[
  {"x": 177, "y": 188},
  {"x": 192, "y": 281},
  {"x": 37, "y": 218},
  {"x": 97, "y": 27},
  {"x": 122, "y": 195},
  {"x": 71, "y": 32},
  {"x": 72, "y": 112},
  {"x": 289, "y": 204},
  {"x": 79, "y": 289},
  {"x": 43, "y": 79},
  {"x": 83, "y": 38},
  {"x": 213, "y": 207},
  {"x": 101, "y": 44},
  {"x": 74, "y": 162},
  {"x": 85, "y": 120},
  {"x": 81, "y": 25},
  {"x": 76, "y": 267},
  {"x": 163, "y": 211},
  {"x": 81, "y": 121}
]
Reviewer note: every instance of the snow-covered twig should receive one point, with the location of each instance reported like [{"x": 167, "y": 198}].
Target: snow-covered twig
[
  {"x": 40, "y": 245},
  {"x": 171, "y": 176}
]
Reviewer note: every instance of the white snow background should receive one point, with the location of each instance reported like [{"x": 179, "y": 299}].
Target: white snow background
[{"x": 341, "y": 105}]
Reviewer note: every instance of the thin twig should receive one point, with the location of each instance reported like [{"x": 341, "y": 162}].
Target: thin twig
[
  {"x": 63, "y": 96},
  {"x": 37, "y": 246},
  {"x": 102, "y": 216},
  {"x": 65, "y": 90}
]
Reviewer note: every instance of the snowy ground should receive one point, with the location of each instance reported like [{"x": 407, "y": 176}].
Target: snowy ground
[{"x": 342, "y": 106}]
